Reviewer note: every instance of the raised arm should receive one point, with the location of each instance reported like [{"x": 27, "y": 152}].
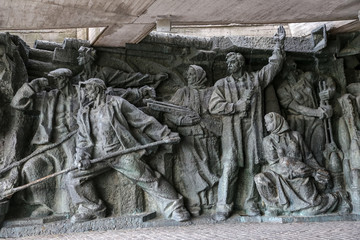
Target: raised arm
[
  {"x": 26, "y": 95},
  {"x": 268, "y": 72}
]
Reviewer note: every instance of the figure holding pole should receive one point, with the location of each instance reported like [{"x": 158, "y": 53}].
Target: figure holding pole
[{"x": 108, "y": 124}]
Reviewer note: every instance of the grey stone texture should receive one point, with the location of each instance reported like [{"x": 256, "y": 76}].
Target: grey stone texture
[{"x": 164, "y": 62}]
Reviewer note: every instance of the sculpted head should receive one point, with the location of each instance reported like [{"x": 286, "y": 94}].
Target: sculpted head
[
  {"x": 86, "y": 55},
  {"x": 275, "y": 123},
  {"x": 235, "y": 62},
  {"x": 60, "y": 77},
  {"x": 269, "y": 122},
  {"x": 93, "y": 87},
  {"x": 196, "y": 76},
  {"x": 290, "y": 64}
]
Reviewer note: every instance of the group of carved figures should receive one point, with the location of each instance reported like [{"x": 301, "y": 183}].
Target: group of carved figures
[{"x": 222, "y": 142}]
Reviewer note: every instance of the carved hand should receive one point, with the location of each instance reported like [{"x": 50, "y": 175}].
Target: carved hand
[
  {"x": 324, "y": 95},
  {"x": 325, "y": 111},
  {"x": 322, "y": 176},
  {"x": 161, "y": 77},
  {"x": 190, "y": 120},
  {"x": 147, "y": 91},
  {"x": 303, "y": 172},
  {"x": 280, "y": 35},
  {"x": 84, "y": 164},
  {"x": 172, "y": 135},
  {"x": 39, "y": 84},
  {"x": 242, "y": 106}
]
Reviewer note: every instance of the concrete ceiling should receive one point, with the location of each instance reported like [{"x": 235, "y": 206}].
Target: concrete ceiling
[{"x": 129, "y": 21}]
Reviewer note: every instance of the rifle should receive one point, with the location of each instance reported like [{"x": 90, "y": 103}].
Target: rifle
[{"x": 170, "y": 108}]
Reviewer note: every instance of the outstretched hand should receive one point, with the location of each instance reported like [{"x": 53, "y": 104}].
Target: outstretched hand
[
  {"x": 173, "y": 137},
  {"x": 161, "y": 77},
  {"x": 147, "y": 92},
  {"x": 280, "y": 35},
  {"x": 322, "y": 176},
  {"x": 190, "y": 120}
]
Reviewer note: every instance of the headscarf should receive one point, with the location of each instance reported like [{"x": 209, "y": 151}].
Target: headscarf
[
  {"x": 281, "y": 125},
  {"x": 200, "y": 77}
]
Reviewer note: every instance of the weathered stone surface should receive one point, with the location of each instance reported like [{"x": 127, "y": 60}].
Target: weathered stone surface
[{"x": 182, "y": 101}]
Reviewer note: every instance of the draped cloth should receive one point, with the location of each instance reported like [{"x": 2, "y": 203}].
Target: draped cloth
[
  {"x": 287, "y": 184},
  {"x": 242, "y": 132},
  {"x": 197, "y": 153}
]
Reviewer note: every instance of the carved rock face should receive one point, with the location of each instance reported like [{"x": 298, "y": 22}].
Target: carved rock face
[
  {"x": 269, "y": 123},
  {"x": 233, "y": 65},
  {"x": 191, "y": 76}
]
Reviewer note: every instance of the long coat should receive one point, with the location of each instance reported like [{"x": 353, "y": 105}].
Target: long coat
[
  {"x": 227, "y": 92},
  {"x": 26, "y": 99},
  {"x": 131, "y": 126}
]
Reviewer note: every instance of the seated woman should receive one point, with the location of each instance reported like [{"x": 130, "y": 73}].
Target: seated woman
[{"x": 287, "y": 186}]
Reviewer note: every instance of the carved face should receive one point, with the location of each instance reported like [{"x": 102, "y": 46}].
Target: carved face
[
  {"x": 84, "y": 58},
  {"x": 91, "y": 92},
  {"x": 269, "y": 123},
  {"x": 191, "y": 76},
  {"x": 81, "y": 58},
  {"x": 291, "y": 65},
  {"x": 61, "y": 82},
  {"x": 233, "y": 65}
]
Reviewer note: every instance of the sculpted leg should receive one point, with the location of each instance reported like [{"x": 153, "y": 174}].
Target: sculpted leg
[
  {"x": 226, "y": 189},
  {"x": 169, "y": 201},
  {"x": 40, "y": 195},
  {"x": 83, "y": 194}
]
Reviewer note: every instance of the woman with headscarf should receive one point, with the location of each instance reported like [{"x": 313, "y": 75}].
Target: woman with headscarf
[
  {"x": 287, "y": 186},
  {"x": 197, "y": 154}
]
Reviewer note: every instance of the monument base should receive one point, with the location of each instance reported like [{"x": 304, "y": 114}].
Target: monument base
[{"x": 61, "y": 224}]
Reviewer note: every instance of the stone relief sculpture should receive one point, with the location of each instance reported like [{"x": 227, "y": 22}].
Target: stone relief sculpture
[
  {"x": 56, "y": 100},
  {"x": 11, "y": 178},
  {"x": 132, "y": 86},
  {"x": 348, "y": 131},
  {"x": 12, "y": 137},
  {"x": 287, "y": 186},
  {"x": 107, "y": 124},
  {"x": 304, "y": 112},
  {"x": 113, "y": 77},
  {"x": 198, "y": 151},
  {"x": 238, "y": 99},
  {"x": 217, "y": 160}
]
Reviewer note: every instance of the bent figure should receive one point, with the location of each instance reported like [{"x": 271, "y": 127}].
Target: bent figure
[
  {"x": 57, "y": 102},
  {"x": 197, "y": 153},
  {"x": 287, "y": 186},
  {"x": 108, "y": 124}
]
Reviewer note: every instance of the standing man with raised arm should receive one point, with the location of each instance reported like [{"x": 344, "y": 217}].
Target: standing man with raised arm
[{"x": 238, "y": 98}]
